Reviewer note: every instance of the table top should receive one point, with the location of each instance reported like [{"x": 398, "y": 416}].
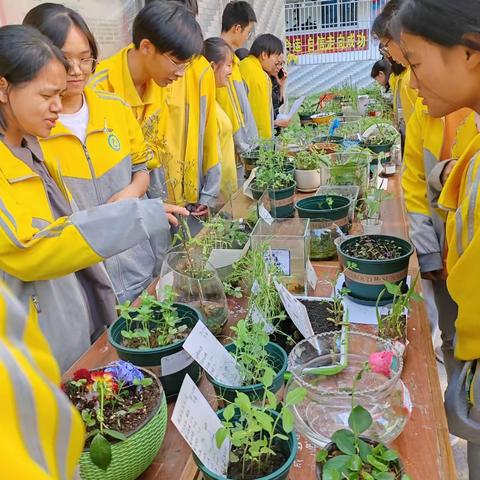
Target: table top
[{"x": 423, "y": 445}]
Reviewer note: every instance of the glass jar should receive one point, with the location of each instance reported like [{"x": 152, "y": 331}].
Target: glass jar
[
  {"x": 329, "y": 399},
  {"x": 196, "y": 283}
]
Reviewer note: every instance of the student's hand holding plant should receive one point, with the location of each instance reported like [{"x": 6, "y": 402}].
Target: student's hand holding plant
[{"x": 172, "y": 211}]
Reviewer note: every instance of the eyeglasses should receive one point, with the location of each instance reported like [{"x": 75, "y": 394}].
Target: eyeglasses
[
  {"x": 86, "y": 65},
  {"x": 181, "y": 67},
  {"x": 384, "y": 49}
]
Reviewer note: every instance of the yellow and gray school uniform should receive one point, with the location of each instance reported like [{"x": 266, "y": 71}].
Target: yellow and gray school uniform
[
  {"x": 259, "y": 91},
  {"x": 42, "y": 434},
  {"x": 182, "y": 117},
  {"x": 45, "y": 249},
  {"x": 112, "y": 151},
  {"x": 233, "y": 100}
]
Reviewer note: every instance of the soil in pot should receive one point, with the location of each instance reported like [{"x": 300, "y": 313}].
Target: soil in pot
[
  {"x": 374, "y": 248},
  {"x": 393, "y": 333}
]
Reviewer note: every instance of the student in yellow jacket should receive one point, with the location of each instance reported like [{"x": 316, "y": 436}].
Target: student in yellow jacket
[
  {"x": 107, "y": 155},
  {"x": 181, "y": 118},
  {"x": 238, "y": 21},
  {"x": 266, "y": 54},
  {"x": 217, "y": 51},
  {"x": 45, "y": 244},
  {"x": 429, "y": 142},
  {"x": 42, "y": 434},
  {"x": 441, "y": 39}
]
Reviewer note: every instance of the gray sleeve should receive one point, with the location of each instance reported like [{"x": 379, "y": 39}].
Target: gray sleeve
[
  {"x": 434, "y": 181},
  {"x": 211, "y": 186},
  {"x": 115, "y": 227},
  {"x": 141, "y": 167},
  {"x": 427, "y": 242}
]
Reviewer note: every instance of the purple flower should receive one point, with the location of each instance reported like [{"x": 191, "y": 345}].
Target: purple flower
[{"x": 124, "y": 372}]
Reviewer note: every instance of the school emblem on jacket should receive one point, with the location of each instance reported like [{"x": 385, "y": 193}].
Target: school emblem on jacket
[{"x": 114, "y": 142}]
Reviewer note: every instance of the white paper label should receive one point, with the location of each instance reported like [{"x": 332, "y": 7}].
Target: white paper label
[
  {"x": 281, "y": 258},
  {"x": 198, "y": 423},
  {"x": 265, "y": 214},
  {"x": 246, "y": 186},
  {"x": 258, "y": 317},
  {"x": 296, "y": 310},
  {"x": 176, "y": 362},
  {"x": 312, "y": 277},
  {"x": 212, "y": 356},
  {"x": 390, "y": 169}
]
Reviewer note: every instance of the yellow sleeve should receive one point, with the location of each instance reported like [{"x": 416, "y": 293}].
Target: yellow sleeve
[
  {"x": 260, "y": 99},
  {"x": 408, "y": 97},
  {"x": 138, "y": 147},
  {"x": 228, "y": 184},
  {"x": 210, "y": 144},
  {"x": 42, "y": 434}
]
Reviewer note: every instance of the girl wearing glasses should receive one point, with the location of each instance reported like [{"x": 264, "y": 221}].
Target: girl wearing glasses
[{"x": 99, "y": 144}]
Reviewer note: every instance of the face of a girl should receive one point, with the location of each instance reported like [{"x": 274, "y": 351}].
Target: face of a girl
[
  {"x": 78, "y": 53},
  {"x": 33, "y": 107},
  {"x": 394, "y": 51},
  {"x": 223, "y": 71},
  {"x": 447, "y": 78}
]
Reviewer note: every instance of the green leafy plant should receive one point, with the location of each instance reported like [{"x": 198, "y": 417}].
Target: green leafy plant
[
  {"x": 271, "y": 169},
  {"x": 393, "y": 325},
  {"x": 154, "y": 323},
  {"x": 336, "y": 308},
  {"x": 373, "y": 202},
  {"x": 254, "y": 431},
  {"x": 385, "y": 135},
  {"x": 309, "y": 160}
]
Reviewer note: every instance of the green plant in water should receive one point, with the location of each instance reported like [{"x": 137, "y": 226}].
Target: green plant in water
[
  {"x": 373, "y": 202},
  {"x": 393, "y": 325},
  {"x": 253, "y": 430}
]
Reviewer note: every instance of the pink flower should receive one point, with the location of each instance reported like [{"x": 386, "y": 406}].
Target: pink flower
[{"x": 381, "y": 362}]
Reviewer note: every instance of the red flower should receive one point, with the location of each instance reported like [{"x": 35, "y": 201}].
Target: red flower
[
  {"x": 82, "y": 374},
  {"x": 381, "y": 362}
]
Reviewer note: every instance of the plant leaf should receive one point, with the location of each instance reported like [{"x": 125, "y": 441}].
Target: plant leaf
[
  {"x": 365, "y": 449},
  {"x": 321, "y": 456},
  {"x": 366, "y": 476},
  {"x": 264, "y": 419},
  {"x": 243, "y": 402},
  {"x": 296, "y": 396},
  {"x": 345, "y": 441},
  {"x": 359, "y": 420},
  {"x": 100, "y": 452},
  {"x": 220, "y": 436},
  {"x": 338, "y": 464},
  {"x": 375, "y": 463},
  {"x": 355, "y": 463},
  {"x": 384, "y": 476},
  {"x": 389, "y": 455},
  {"x": 272, "y": 399},
  {"x": 229, "y": 412},
  {"x": 114, "y": 434},
  {"x": 267, "y": 378},
  {"x": 288, "y": 421},
  {"x": 331, "y": 475}
]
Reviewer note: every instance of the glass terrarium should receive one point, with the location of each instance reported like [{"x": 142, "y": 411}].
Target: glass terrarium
[
  {"x": 288, "y": 246},
  {"x": 197, "y": 284},
  {"x": 323, "y": 234},
  {"x": 348, "y": 167},
  {"x": 326, "y": 366}
]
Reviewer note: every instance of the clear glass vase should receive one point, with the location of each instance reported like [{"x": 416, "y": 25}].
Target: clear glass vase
[
  {"x": 329, "y": 400},
  {"x": 196, "y": 283}
]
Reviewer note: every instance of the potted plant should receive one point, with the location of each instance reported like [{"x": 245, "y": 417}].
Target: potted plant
[
  {"x": 349, "y": 455},
  {"x": 307, "y": 170},
  {"x": 263, "y": 443},
  {"x": 257, "y": 359},
  {"x": 379, "y": 138},
  {"x": 371, "y": 223},
  {"x": 153, "y": 333},
  {"x": 325, "y": 209},
  {"x": 125, "y": 414},
  {"x": 371, "y": 260},
  {"x": 308, "y": 108},
  {"x": 250, "y": 159},
  {"x": 393, "y": 324}
]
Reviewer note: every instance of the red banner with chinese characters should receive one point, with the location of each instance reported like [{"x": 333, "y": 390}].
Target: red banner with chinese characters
[{"x": 328, "y": 42}]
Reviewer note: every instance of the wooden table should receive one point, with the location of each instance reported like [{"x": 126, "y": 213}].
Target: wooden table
[{"x": 423, "y": 445}]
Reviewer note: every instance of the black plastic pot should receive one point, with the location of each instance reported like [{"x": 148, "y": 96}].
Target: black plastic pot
[
  {"x": 152, "y": 357},
  {"x": 282, "y": 202},
  {"x": 256, "y": 192},
  {"x": 289, "y": 449},
  {"x": 365, "y": 278},
  {"x": 305, "y": 119},
  {"x": 278, "y": 360},
  {"x": 326, "y": 139},
  {"x": 250, "y": 161}
]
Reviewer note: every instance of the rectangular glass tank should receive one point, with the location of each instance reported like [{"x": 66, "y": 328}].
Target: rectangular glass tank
[{"x": 288, "y": 246}]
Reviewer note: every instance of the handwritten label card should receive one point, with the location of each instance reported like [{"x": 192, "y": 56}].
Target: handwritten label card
[
  {"x": 265, "y": 214},
  {"x": 312, "y": 277},
  {"x": 176, "y": 362},
  {"x": 197, "y": 423},
  {"x": 296, "y": 310},
  {"x": 205, "y": 349}
]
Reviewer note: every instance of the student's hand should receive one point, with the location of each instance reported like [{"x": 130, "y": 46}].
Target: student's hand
[
  {"x": 172, "y": 210},
  {"x": 283, "y": 123},
  {"x": 124, "y": 194},
  {"x": 435, "y": 276},
  {"x": 447, "y": 171},
  {"x": 199, "y": 210}
]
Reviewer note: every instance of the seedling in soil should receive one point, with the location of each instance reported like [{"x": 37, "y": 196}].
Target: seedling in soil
[{"x": 373, "y": 248}]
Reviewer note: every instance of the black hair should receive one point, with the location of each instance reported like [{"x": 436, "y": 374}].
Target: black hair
[
  {"x": 171, "y": 27},
  {"x": 382, "y": 23},
  {"x": 55, "y": 21},
  {"x": 397, "y": 68},
  {"x": 384, "y": 66},
  {"x": 242, "y": 53},
  {"x": 444, "y": 22},
  {"x": 266, "y": 43},
  {"x": 216, "y": 50},
  {"x": 24, "y": 51},
  {"x": 192, "y": 5},
  {"x": 237, "y": 13}
]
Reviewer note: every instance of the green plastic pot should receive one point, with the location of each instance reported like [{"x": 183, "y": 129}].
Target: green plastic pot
[
  {"x": 250, "y": 161},
  {"x": 366, "y": 280},
  {"x": 277, "y": 358},
  {"x": 282, "y": 201},
  {"x": 379, "y": 148},
  {"x": 326, "y": 139},
  {"x": 152, "y": 357},
  {"x": 316, "y": 208},
  {"x": 289, "y": 449},
  {"x": 131, "y": 457},
  {"x": 331, "y": 447},
  {"x": 256, "y": 192}
]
